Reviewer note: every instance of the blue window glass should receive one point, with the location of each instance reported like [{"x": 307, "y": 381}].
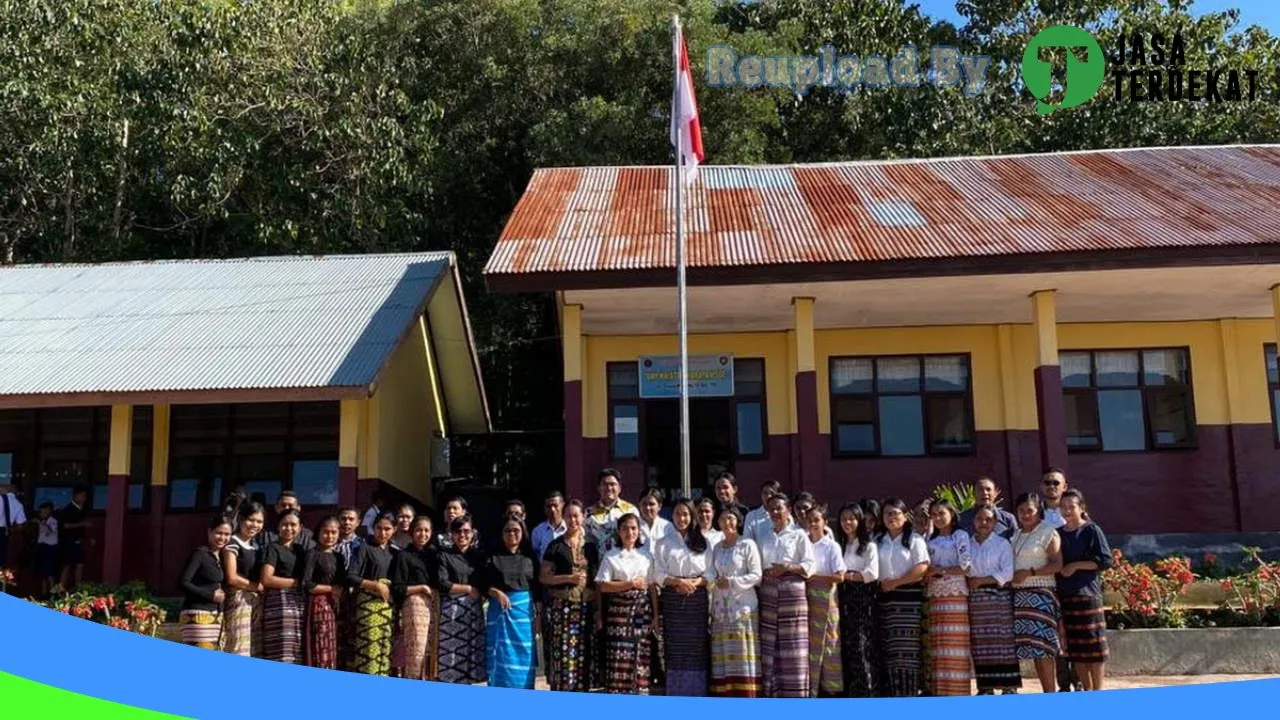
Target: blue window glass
[
  {"x": 901, "y": 423},
  {"x": 750, "y": 428}
]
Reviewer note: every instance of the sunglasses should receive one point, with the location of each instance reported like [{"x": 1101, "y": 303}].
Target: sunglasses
[{"x": 1052, "y": 483}]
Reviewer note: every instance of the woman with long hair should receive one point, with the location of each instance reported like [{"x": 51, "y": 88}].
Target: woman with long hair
[
  {"x": 995, "y": 660},
  {"x": 200, "y": 615},
  {"x": 1037, "y": 557},
  {"x": 509, "y": 578},
  {"x": 282, "y": 603},
  {"x": 624, "y": 580},
  {"x": 242, "y": 565},
  {"x": 733, "y": 573},
  {"x": 461, "y": 658},
  {"x": 788, "y": 560},
  {"x": 1085, "y": 555},
  {"x": 680, "y": 567},
  {"x": 857, "y": 596},
  {"x": 870, "y": 516},
  {"x": 904, "y": 562},
  {"x": 826, "y": 676},
  {"x": 413, "y": 577},
  {"x": 370, "y": 576},
  {"x": 324, "y": 578},
  {"x": 948, "y": 593},
  {"x": 568, "y": 573}
]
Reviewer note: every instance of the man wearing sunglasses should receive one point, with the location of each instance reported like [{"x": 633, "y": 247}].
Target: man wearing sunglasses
[{"x": 1052, "y": 485}]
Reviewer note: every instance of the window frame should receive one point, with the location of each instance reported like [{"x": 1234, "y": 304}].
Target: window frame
[
  {"x": 923, "y": 393},
  {"x": 1145, "y": 391},
  {"x": 1272, "y": 389}
]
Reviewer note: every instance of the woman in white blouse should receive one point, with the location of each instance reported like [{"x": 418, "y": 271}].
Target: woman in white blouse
[
  {"x": 623, "y": 581},
  {"x": 788, "y": 560},
  {"x": 857, "y": 596},
  {"x": 652, "y": 526},
  {"x": 734, "y": 571},
  {"x": 948, "y": 593},
  {"x": 904, "y": 560},
  {"x": 825, "y": 673},
  {"x": 995, "y": 662},
  {"x": 680, "y": 567},
  {"x": 1037, "y": 557},
  {"x": 707, "y": 512}
]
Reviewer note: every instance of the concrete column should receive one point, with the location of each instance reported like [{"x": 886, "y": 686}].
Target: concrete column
[
  {"x": 350, "y": 427},
  {"x": 575, "y": 481},
  {"x": 118, "y": 464},
  {"x": 159, "y": 491},
  {"x": 808, "y": 442},
  {"x": 1050, "y": 412}
]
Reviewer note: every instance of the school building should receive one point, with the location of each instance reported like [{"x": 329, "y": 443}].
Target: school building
[
  {"x": 163, "y": 385},
  {"x": 873, "y": 329}
]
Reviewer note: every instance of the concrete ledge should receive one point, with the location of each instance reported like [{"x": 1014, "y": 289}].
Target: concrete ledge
[
  {"x": 1194, "y": 651},
  {"x": 1145, "y": 548}
]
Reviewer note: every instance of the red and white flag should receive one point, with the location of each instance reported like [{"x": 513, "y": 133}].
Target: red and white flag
[{"x": 686, "y": 132}]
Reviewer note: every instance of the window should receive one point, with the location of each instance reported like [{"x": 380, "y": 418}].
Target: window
[
  {"x": 901, "y": 406},
  {"x": 624, "y": 410},
  {"x": 748, "y": 407},
  {"x": 1273, "y": 386},
  {"x": 1118, "y": 400}
]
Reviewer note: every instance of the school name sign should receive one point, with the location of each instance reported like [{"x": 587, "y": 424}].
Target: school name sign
[
  {"x": 946, "y": 67},
  {"x": 709, "y": 376}
]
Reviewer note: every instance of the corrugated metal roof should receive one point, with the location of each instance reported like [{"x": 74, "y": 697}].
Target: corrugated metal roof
[
  {"x": 573, "y": 220},
  {"x": 248, "y": 324}
]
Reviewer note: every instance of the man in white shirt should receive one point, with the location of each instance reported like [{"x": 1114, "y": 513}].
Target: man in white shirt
[
  {"x": 551, "y": 528},
  {"x": 1053, "y": 485},
  {"x": 12, "y": 517},
  {"x": 374, "y": 512},
  {"x": 758, "y": 519},
  {"x": 602, "y": 518}
]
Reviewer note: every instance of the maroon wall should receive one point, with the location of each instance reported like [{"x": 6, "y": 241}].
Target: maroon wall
[{"x": 1257, "y": 466}]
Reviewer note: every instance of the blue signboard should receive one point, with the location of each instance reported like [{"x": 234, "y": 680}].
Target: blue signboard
[{"x": 709, "y": 376}]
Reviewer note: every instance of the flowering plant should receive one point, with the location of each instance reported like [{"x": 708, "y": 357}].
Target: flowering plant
[
  {"x": 138, "y": 615},
  {"x": 6, "y": 578},
  {"x": 1256, "y": 592},
  {"x": 1151, "y": 592}
]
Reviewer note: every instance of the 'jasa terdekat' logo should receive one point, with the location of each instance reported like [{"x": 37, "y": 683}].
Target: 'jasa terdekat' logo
[{"x": 1144, "y": 68}]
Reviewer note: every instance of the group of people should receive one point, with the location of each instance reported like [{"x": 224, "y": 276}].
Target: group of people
[
  {"x": 57, "y": 537},
  {"x": 785, "y": 600}
]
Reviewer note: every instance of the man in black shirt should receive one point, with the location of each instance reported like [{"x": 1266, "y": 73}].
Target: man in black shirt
[
  {"x": 306, "y": 540},
  {"x": 73, "y": 524},
  {"x": 727, "y": 494}
]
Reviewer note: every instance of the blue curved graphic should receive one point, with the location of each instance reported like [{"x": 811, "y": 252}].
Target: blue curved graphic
[{"x": 93, "y": 660}]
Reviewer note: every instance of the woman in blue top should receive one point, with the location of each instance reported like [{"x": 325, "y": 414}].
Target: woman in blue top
[{"x": 1085, "y": 554}]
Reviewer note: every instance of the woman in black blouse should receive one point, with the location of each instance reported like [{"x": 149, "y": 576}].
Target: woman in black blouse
[
  {"x": 1085, "y": 554},
  {"x": 324, "y": 577},
  {"x": 412, "y": 574},
  {"x": 461, "y": 656},
  {"x": 202, "y": 595},
  {"x": 282, "y": 602},
  {"x": 370, "y": 575},
  {"x": 568, "y": 573},
  {"x": 509, "y": 578},
  {"x": 242, "y": 566}
]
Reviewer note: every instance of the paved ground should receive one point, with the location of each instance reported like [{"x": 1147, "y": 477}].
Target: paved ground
[{"x": 1119, "y": 683}]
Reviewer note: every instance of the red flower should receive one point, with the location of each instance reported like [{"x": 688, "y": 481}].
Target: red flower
[{"x": 1210, "y": 558}]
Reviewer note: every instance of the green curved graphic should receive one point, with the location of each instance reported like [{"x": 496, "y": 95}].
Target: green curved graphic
[
  {"x": 27, "y": 699},
  {"x": 1083, "y": 77}
]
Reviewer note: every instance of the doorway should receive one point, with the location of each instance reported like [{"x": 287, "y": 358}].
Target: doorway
[{"x": 710, "y": 443}]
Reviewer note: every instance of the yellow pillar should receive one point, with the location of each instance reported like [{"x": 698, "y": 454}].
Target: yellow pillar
[
  {"x": 1050, "y": 411},
  {"x": 160, "y": 445},
  {"x": 1045, "y": 319},
  {"x": 350, "y": 427},
  {"x": 118, "y": 464},
  {"x": 575, "y": 481},
  {"x": 808, "y": 441},
  {"x": 159, "y": 490},
  {"x": 1275, "y": 309}
]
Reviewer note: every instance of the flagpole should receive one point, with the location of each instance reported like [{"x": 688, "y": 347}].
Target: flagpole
[{"x": 686, "y": 485}]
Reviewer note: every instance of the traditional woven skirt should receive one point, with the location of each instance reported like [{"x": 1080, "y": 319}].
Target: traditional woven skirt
[
  {"x": 242, "y": 624},
  {"x": 825, "y": 672},
  {"x": 412, "y": 643},
  {"x": 735, "y": 652},
  {"x": 282, "y": 617},
  {"x": 568, "y": 629},
  {"x": 371, "y": 644},
  {"x": 784, "y": 637},
  {"x": 686, "y": 642},
  {"x": 857, "y": 639},
  {"x": 899, "y": 640},
  {"x": 509, "y": 636},
  {"x": 322, "y": 632},
  {"x": 1085, "y": 621},
  {"x": 1035, "y": 623},
  {"x": 628, "y": 628},
  {"x": 949, "y": 644},
  {"x": 995, "y": 660},
  {"x": 461, "y": 640},
  {"x": 201, "y": 628}
]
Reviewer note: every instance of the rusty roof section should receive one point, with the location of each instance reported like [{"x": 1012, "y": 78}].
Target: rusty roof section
[{"x": 616, "y": 222}]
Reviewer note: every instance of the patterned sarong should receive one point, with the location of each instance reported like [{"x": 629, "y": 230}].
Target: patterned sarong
[
  {"x": 461, "y": 640},
  {"x": 322, "y": 632},
  {"x": 686, "y": 642},
  {"x": 201, "y": 628},
  {"x": 735, "y": 653},
  {"x": 995, "y": 660},
  {"x": 949, "y": 645},
  {"x": 371, "y": 646},
  {"x": 1085, "y": 621},
  {"x": 628, "y": 628},
  {"x": 784, "y": 637},
  {"x": 899, "y": 640},
  {"x": 282, "y": 613},
  {"x": 412, "y": 643},
  {"x": 825, "y": 672},
  {"x": 242, "y": 623},
  {"x": 1035, "y": 623},
  {"x": 568, "y": 630},
  {"x": 857, "y": 639},
  {"x": 509, "y": 636}
]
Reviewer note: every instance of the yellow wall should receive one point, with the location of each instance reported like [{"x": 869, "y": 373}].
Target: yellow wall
[
  {"x": 405, "y": 412},
  {"x": 1003, "y": 359}
]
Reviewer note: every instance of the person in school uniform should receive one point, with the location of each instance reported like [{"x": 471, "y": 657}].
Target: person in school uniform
[
  {"x": 47, "y": 548},
  {"x": 12, "y": 517},
  {"x": 73, "y": 527},
  {"x": 857, "y": 597},
  {"x": 624, "y": 578},
  {"x": 904, "y": 562},
  {"x": 787, "y": 558},
  {"x": 757, "y": 520},
  {"x": 826, "y": 676}
]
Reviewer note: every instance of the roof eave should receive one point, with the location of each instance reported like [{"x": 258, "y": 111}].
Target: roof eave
[{"x": 181, "y": 397}]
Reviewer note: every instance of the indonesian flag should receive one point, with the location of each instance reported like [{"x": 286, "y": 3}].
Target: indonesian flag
[{"x": 686, "y": 132}]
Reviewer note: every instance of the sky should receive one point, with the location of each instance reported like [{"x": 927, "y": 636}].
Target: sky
[{"x": 1252, "y": 12}]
